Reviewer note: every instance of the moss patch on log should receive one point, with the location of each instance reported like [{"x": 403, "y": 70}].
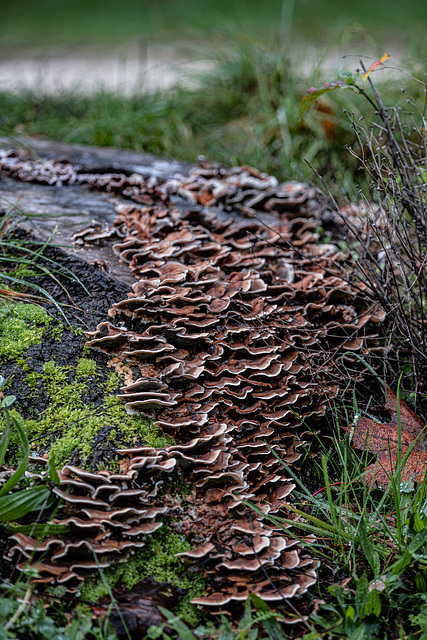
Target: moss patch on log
[
  {"x": 77, "y": 430},
  {"x": 21, "y": 326},
  {"x": 70, "y": 412}
]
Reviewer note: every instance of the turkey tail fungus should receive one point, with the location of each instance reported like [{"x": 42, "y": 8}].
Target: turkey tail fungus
[{"x": 235, "y": 325}]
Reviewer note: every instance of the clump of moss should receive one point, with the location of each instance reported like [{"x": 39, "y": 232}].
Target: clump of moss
[
  {"x": 86, "y": 422},
  {"x": 33, "y": 379},
  {"x": 21, "y": 327},
  {"x": 157, "y": 560},
  {"x": 85, "y": 368},
  {"x": 56, "y": 332}
]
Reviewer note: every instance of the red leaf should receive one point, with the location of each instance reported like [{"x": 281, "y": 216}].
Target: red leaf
[{"x": 383, "y": 439}]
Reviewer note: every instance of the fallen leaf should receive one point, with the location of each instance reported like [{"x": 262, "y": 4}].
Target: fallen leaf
[
  {"x": 124, "y": 464},
  {"x": 122, "y": 369},
  {"x": 383, "y": 439},
  {"x": 137, "y": 610}
]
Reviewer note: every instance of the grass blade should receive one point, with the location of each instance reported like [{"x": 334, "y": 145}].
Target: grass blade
[
  {"x": 178, "y": 625},
  {"x": 24, "y": 461},
  {"x": 19, "y": 504},
  {"x": 45, "y": 293}
]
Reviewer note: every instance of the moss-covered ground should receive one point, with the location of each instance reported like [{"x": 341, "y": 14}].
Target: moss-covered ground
[
  {"x": 21, "y": 327},
  {"x": 74, "y": 425},
  {"x": 158, "y": 561},
  {"x": 70, "y": 412}
]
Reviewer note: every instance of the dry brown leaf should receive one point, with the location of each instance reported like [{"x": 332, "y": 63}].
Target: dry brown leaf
[
  {"x": 124, "y": 464},
  {"x": 138, "y": 609},
  {"x": 383, "y": 439}
]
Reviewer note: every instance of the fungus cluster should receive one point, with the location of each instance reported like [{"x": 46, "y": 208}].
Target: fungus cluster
[
  {"x": 107, "y": 515},
  {"x": 235, "y": 327},
  {"x": 243, "y": 188},
  {"x": 21, "y": 167}
]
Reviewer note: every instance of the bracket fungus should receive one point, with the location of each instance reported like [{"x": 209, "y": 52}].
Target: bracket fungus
[
  {"x": 21, "y": 166},
  {"x": 235, "y": 324}
]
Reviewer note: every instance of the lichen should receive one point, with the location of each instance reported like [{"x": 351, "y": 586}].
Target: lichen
[
  {"x": 83, "y": 422},
  {"x": 21, "y": 327},
  {"x": 157, "y": 560}
]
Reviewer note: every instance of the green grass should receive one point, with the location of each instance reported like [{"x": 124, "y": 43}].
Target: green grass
[
  {"x": 244, "y": 112},
  {"x": 371, "y": 544}
]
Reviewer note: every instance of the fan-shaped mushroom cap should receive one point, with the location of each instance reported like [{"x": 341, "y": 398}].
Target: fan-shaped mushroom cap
[{"x": 233, "y": 324}]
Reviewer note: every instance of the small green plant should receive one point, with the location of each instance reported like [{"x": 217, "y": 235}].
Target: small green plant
[
  {"x": 258, "y": 621},
  {"x": 24, "y": 615},
  {"x": 36, "y": 497}
]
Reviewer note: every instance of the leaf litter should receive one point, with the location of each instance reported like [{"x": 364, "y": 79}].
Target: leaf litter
[{"x": 402, "y": 440}]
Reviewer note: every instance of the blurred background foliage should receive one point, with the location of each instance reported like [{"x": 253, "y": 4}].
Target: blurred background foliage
[
  {"x": 242, "y": 106},
  {"x": 107, "y": 22}
]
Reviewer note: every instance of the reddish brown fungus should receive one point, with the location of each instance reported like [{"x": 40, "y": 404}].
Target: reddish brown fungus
[{"x": 235, "y": 323}]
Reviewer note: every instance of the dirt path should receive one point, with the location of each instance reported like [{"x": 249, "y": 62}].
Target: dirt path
[
  {"x": 145, "y": 67},
  {"x": 126, "y": 69}
]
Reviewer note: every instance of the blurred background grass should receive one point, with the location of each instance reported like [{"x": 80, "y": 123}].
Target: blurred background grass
[
  {"x": 71, "y": 22},
  {"x": 243, "y": 108}
]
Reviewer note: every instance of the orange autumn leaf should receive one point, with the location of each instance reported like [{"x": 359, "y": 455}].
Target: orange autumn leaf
[
  {"x": 383, "y": 440},
  {"x": 374, "y": 66}
]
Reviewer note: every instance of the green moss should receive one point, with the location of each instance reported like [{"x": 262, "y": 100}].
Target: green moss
[
  {"x": 56, "y": 332},
  {"x": 25, "y": 272},
  {"x": 54, "y": 377},
  {"x": 21, "y": 328},
  {"x": 157, "y": 559},
  {"x": 85, "y": 368},
  {"x": 33, "y": 379},
  {"x": 113, "y": 381},
  {"x": 81, "y": 420}
]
